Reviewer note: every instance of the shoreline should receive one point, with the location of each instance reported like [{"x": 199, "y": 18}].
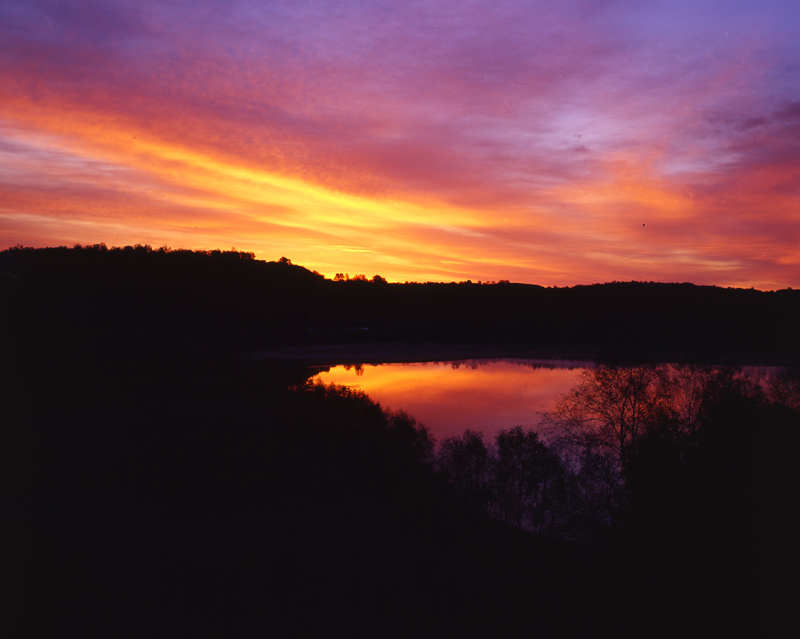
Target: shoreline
[{"x": 415, "y": 352}]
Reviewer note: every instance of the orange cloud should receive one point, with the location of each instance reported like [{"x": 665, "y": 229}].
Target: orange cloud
[{"x": 496, "y": 145}]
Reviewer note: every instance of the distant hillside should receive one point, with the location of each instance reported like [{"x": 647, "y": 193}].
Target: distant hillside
[{"x": 229, "y": 300}]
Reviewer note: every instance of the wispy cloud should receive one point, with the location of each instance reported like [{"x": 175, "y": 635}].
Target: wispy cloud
[{"x": 459, "y": 140}]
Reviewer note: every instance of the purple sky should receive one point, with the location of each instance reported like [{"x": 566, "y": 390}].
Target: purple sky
[{"x": 554, "y": 143}]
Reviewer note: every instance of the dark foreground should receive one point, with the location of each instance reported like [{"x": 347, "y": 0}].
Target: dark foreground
[
  {"x": 150, "y": 497},
  {"x": 152, "y": 483}
]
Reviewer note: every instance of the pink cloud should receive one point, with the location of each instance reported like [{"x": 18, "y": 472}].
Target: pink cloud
[{"x": 542, "y": 137}]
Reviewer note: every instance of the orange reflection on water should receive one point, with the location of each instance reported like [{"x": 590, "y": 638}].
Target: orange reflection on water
[{"x": 450, "y": 397}]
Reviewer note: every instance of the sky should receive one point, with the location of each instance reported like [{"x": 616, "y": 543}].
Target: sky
[{"x": 555, "y": 143}]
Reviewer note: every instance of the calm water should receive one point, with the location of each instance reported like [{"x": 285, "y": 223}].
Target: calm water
[
  {"x": 450, "y": 397},
  {"x": 485, "y": 395}
]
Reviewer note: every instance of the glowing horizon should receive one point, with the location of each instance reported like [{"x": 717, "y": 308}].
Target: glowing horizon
[{"x": 554, "y": 146}]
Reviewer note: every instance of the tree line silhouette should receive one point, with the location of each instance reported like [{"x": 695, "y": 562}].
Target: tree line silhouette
[
  {"x": 630, "y": 446},
  {"x": 688, "y": 474},
  {"x": 228, "y": 299}
]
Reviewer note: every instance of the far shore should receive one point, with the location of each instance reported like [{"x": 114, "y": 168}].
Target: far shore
[{"x": 407, "y": 352}]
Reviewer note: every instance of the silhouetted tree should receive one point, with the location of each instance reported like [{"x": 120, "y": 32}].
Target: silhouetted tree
[
  {"x": 784, "y": 388},
  {"x": 619, "y": 424},
  {"x": 412, "y": 436},
  {"x": 598, "y": 423},
  {"x": 467, "y": 462},
  {"x": 523, "y": 468}
]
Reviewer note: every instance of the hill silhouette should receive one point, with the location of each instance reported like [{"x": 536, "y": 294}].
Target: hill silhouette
[{"x": 227, "y": 299}]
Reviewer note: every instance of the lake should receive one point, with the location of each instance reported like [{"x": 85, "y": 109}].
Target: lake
[
  {"x": 449, "y": 397},
  {"x": 480, "y": 394}
]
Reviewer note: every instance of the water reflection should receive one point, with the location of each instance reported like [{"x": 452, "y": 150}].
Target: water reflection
[{"x": 451, "y": 396}]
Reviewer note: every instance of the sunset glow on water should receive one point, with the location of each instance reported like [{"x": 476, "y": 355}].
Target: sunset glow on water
[
  {"x": 451, "y": 397},
  {"x": 482, "y": 395}
]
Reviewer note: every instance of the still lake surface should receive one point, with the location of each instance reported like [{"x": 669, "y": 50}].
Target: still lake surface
[
  {"x": 482, "y": 395},
  {"x": 449, "y": 397}
]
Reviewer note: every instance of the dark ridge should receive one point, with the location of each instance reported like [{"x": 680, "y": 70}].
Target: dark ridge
[{"x": 229, "y": 300}]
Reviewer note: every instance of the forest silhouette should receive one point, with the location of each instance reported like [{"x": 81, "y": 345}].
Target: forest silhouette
[
  {"x": 156, "y": 482},
  {"x": 230, "y": 300}
]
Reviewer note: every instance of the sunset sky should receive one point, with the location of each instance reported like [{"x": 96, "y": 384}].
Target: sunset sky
[{"x": 555, "y": 143}]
